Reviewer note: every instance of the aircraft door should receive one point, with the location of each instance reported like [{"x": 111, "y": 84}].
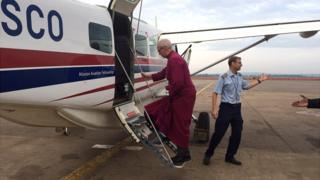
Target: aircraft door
[
  {"x": 125, "y": 7},
  {"x": 120, "y": 11}
]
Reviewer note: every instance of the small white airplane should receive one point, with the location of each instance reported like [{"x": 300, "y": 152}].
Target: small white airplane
[
  {"x": 59, "y": 65},
  {"x": 70, "y": 64}
]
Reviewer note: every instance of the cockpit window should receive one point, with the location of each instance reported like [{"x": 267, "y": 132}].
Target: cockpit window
[
  {"x": 141, "y": 45},
  {"x": 153, "y": 46}
]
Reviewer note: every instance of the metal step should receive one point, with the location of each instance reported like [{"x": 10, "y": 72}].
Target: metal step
[{"x": 141, "y": 131}]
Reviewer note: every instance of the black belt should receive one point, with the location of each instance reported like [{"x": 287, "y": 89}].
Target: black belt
[{"x": 231, "y": 105}]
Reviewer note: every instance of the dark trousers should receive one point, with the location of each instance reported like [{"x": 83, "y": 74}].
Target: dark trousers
[{"x": 228, "y": 114}]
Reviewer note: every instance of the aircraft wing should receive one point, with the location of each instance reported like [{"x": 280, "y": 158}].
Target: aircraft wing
[{"x": 305, "y": 28}]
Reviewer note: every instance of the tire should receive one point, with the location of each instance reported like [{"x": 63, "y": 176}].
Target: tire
[
  {"x": 203, "y": 120},
  {"x": 202, "y": 128}
]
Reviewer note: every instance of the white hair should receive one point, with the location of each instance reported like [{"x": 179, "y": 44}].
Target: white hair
[{"x": 164, "y": 43}]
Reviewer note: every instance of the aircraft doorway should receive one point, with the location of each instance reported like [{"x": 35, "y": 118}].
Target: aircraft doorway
[{"x": 123, "y": 46}]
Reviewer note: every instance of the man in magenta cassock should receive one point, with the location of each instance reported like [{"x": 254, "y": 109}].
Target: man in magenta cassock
[{"x": 172, "y": 114}]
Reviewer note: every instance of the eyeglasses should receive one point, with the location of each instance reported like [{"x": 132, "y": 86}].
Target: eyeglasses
[{"x": 159, "y": 49}]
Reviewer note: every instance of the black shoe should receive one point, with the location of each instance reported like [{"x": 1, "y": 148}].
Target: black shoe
[
  {"x": 206, "y": 160},
  {"x": 233, "y": 161},
  {"x": 180, "y": 161}
]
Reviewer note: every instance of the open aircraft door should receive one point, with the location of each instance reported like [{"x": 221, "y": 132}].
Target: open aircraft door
[
  {"x": 125, "y": 7},
  {"x": 120, "y": 11}
]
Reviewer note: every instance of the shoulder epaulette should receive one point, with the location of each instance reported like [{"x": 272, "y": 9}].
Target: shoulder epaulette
[{"x": 224, "y": 75}]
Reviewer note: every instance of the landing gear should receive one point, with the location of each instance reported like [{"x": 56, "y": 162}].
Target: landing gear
[
  {"x": 202, "y": 130},
  {"x": 63, "y": 130}
]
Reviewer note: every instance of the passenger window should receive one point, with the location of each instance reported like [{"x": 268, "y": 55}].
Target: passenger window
[
  {"x": 141, "y": 45},
  {"x": 100, "y": 37},
  {"x": 153, "y": 46}
]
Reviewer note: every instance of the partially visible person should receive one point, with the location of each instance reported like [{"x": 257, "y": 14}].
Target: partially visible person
[
  {"x": 173, "y": 114},
  {"x": 305, "y": 102}
]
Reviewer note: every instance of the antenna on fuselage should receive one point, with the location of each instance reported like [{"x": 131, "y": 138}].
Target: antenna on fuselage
[{"x": 156, "y": 22}]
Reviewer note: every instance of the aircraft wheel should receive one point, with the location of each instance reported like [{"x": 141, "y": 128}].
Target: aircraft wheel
[
  {"x": 66, "y": 131},
  {"x": 202, "y": 128},
  {"x": 63, "y": 130}
]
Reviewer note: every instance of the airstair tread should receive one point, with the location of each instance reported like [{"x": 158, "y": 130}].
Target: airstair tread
[{"x": 141, "y": 131}]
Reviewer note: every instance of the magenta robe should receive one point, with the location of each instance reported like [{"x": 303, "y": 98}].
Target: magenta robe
[{"x": 173, "y": 114}]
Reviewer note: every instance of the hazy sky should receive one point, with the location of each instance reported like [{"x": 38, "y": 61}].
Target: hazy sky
[{"x": 283, "y": 54}]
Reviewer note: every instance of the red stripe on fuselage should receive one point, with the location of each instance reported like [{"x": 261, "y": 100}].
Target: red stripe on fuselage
[
  {"x": 138, "y": 90},
  {"x": 19, "y": 58},
  {"x": 147, "y": 86},
  {"x": 105, "y": 102},
  {"x": 107, "y": 88},
  {"x": 88, "y": 92},
  {"x": 154, "y": 61}
]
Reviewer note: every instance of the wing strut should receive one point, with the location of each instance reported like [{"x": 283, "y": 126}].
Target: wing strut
[
  {"x": 187, "y": 54},
  {"x": 266, "y": 38}
]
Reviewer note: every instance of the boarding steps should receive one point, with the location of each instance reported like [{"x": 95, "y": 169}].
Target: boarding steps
[{"x": 142, "y": 131}]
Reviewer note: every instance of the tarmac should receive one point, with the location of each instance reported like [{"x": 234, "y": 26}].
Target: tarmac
[{"x": 279, "y": 142}]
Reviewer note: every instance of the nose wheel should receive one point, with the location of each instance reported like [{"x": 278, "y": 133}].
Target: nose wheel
[{"x": 63, "y": 130}]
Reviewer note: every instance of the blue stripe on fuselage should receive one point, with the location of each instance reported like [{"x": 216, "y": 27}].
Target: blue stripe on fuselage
[{"x": 13, "y": 80}]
